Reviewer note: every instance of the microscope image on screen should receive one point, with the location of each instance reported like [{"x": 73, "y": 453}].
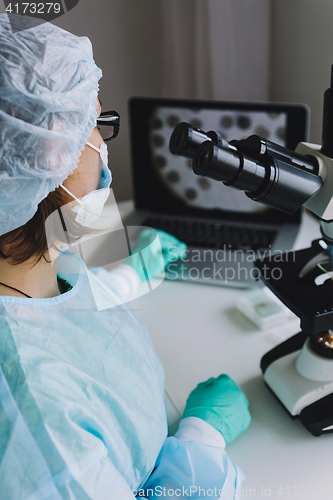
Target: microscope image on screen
[{"x": 176, "y": 172}]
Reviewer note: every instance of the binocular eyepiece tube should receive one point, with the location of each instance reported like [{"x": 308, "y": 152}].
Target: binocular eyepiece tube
[
  {"x": 266, "y": 172},
  {"x": 228, "y": 166}
]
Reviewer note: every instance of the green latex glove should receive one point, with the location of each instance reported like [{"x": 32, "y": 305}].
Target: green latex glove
[
  {"x": 151, "y": 255},
  {"x": 221, "y": 403}
]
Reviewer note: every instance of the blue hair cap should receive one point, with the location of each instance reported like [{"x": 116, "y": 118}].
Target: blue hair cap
[{"x": 48, "y": 109}]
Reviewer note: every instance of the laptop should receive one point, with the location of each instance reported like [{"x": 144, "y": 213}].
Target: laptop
[{"x": 225, "y": 231}]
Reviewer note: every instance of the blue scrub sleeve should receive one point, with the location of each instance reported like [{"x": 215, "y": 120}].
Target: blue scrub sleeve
[{"x": 188, "y": 469}]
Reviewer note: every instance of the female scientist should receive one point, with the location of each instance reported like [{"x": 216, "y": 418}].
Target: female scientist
[{"x": 82, "y": 405}]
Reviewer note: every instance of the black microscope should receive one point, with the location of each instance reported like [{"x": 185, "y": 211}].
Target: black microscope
[{"x": 299, "y": 371}]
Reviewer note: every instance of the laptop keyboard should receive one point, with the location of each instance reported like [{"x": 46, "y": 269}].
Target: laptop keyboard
[{"x": 215, "y": 234}]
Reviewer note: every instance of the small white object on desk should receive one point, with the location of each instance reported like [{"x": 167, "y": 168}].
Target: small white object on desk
[{"x": 262, "y": 308}]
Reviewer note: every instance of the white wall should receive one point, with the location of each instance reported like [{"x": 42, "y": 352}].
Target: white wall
[
  {"x": 302, "y": 54},
  {"x": 216, "y": 49}
]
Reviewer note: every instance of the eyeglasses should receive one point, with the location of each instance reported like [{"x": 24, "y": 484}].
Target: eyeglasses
[{"x": 108, "y": 125}]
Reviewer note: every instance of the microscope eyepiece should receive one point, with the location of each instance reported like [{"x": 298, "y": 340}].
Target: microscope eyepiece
[
  {"x": 179, "y": 139},
  {"x": 203, "y": 158},
  {"x": 185, "y": 140}
]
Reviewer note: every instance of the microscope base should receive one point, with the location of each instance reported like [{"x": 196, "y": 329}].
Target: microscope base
[{"x": 311, "y": 401}]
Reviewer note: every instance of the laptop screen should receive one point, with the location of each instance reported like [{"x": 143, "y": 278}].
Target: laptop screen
[{"x": 166, "y": 184}]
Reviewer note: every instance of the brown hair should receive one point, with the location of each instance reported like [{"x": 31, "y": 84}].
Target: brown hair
[{"x": 30, "y": 241}]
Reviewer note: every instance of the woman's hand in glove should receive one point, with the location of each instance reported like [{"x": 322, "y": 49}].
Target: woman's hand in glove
[
  {"x": 221, "y": 403},
  {"x": 151, "y": 254}
]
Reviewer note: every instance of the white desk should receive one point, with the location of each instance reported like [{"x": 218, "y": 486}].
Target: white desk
[{"x": 197, "y": 334}]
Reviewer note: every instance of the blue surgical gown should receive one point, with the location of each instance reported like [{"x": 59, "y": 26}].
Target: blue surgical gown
[{"x": 82, "y": 404}]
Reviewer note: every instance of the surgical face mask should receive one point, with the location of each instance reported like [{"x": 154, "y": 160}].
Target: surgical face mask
[{"x": 90, "y": 207}]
